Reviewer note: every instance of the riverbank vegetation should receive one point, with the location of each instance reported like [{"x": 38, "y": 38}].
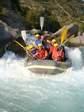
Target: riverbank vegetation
[{"x": 56, "y": 13}]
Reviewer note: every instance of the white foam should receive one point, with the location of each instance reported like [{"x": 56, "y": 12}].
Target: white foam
[
  {"x": 75, "y": 55},
  {"x": 12, "y": 66},
  {"x": 28, "y": 91}
]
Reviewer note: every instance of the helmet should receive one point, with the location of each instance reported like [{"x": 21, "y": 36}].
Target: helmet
[
  {"x": 29, "y": 47},
  {"x": 53, "y": 40},
  {"x": 56, "y": 45},
  {"x": 37, "y": 35}
]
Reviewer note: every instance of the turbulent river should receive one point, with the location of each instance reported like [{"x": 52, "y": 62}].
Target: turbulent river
[{"x": 23, "y": 91}]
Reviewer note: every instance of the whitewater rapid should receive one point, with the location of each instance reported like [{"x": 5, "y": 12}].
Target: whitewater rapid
[
  {"x": 13, "y": 66},
  {"x": 23, "y": 91}
]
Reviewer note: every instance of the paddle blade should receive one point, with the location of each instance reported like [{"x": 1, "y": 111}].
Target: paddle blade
[
  {"x": 41, "y": 22},
  {"x": 64, "y": 35},
  {"x": 24, "y": 35}
]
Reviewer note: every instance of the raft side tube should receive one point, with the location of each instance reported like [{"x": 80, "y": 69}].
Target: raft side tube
[{"x": 47, "y": 66}]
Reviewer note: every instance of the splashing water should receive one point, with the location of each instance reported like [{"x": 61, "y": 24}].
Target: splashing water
[
  {"x": 23, "y": 91},
  {"x": 75, "y": 56}
]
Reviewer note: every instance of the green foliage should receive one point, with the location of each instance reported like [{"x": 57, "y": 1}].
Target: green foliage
[
  {"x": 42, "y": 0},
  {"x": 51, "y": 24},
  {"x": 54, "y": 11},
  {"x": 82, "y": 27},
  {"x": 0, "y": 9},
  {"x": 16, "y": 5},
  {"x": 32, "y": 18}
]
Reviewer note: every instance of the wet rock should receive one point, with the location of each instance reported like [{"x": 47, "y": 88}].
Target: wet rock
[
  {"x": 14, "y": 47},
  {"x": 7, "y": 35}
]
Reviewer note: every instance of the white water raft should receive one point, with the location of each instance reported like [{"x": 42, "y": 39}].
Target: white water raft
[{"x": 47, "y": 66}]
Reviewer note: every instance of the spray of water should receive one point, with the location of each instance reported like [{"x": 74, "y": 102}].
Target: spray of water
[
  {"x": 22, "y": 91},
  {"x": 75, "y": 55},
  {"x": 12, "y": 66}
]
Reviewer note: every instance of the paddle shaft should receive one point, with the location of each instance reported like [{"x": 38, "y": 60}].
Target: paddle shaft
[{"x": 27, "y": 52}]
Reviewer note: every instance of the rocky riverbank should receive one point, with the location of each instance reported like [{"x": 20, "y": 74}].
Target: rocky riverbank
[{"x": 16, "y": 15}]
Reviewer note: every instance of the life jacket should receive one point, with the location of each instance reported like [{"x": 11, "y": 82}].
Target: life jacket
[
  {"x": 61, "y": 54},
  {"x": 41, "y": 54},
  {"x": 57, "y": 55}
]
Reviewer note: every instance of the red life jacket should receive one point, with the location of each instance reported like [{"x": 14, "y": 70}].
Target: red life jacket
[
  {"x": 57, "y": 55},
  {"x": 61, "y": 54},
  {"x": 41, "y": 54}
]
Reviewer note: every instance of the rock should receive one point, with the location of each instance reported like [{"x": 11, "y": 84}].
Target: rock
[
  {"x": 4, "y": 30},
  {"x": 6, "y": 36}
]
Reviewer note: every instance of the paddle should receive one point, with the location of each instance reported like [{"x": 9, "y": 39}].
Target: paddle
[
  {"x": 64, "y": 34},
  {"x": 65, "y": 37},
  {"x": 41, "y": 22},
  {"x": 24, "y": 35},
  {"x": 25, "y": 49}
]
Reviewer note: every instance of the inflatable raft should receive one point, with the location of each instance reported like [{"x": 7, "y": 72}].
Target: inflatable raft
[{"x": 47, "y": 66}]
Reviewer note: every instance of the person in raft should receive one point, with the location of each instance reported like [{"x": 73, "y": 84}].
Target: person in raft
[
  {"x": 41, "y": 52},
  {"x": 31, "y": 49},
  {"x": 56, "y": 51}
]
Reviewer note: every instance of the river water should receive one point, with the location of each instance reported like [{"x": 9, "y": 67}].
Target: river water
[{"x": 23, "y": 91}]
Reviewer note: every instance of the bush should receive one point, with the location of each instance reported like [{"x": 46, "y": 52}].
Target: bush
[
  {"x": 32, "y": 20},
  {"x": 51, "y": 24},
  {"x": 82, "y": 27}
]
